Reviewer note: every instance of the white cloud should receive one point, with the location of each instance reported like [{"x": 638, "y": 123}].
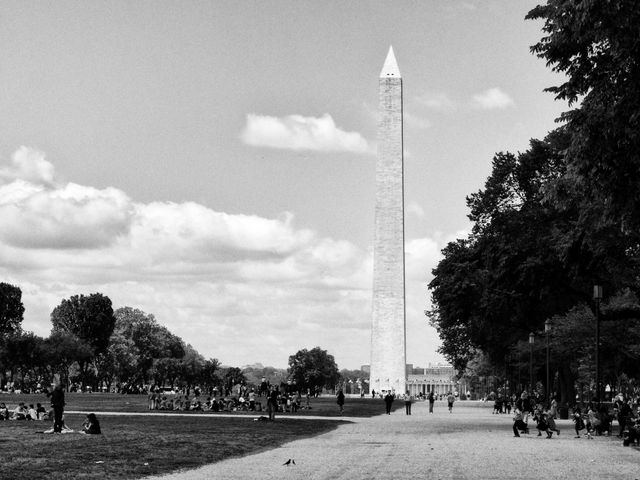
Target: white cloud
[
  {"x": 437, "y": 101},
  {"x": 494, "y": 98},
  {"x": 37, "y": 213},
  {"x": 241, "y": 288},
  {"x": 296, "y": 132},
  {"x": 30, "y": 165}
]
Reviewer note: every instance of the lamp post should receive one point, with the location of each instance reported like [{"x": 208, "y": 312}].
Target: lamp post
[
  {"x": 597, "y": 296},
  {"x": 531, "y": 340},
  {"x": 547, "y": 332}
]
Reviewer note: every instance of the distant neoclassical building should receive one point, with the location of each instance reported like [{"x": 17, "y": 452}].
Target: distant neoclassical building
[{"x": 439, "y": 378}]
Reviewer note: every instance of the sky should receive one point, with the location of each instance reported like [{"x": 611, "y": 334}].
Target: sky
[{"x": 213, "y": 162}]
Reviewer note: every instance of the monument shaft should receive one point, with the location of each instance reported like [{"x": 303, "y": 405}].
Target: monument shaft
[{"x": 388, "y": 333}]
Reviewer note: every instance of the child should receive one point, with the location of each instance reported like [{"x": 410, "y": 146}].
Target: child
[
  {"x": 551, "y": 422},
  {"x": 91, "y": 425},
  {"x": 578, "y": 421},
  {"x": 541, "y": 423},
  {"x": 519, "y": 423}
]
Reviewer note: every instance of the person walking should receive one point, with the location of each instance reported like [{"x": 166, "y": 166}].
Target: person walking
[
  {"x": 57, "y": 402},
  {"x": 432, "y": 400},
  {"x": 407, "y": 403},
  {"x": 272, "y": 403},
  {"x": 450, "y": 399},
  {"x": 388, "y": 401},
  {"x": 340, "y": 400},
  {"x": 578, "y": 420}
]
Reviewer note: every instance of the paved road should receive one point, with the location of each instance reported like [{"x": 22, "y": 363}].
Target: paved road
[{"x": 470, "y": 443}]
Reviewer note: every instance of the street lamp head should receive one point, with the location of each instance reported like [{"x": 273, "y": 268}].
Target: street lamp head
[
  {"x": 547, "y": 326},
  {"x": 531, "y": 338},
  {"x": 597, "y": 292}
]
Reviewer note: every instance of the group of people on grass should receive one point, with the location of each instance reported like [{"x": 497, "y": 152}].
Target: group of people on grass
[
  {"x": 247, "y": 399},
  {"x": 24, "y": 412},
  {"x": 91, "y": 425}
]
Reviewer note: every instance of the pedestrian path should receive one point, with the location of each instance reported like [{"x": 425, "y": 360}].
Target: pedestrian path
[{"x": 469, "y": 443}]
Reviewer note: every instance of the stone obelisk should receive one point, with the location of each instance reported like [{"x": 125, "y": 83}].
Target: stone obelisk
[{"x": 388, "y": 330}]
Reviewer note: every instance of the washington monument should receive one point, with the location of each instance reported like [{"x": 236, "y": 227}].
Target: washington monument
[{"x": 388, "y": 330}]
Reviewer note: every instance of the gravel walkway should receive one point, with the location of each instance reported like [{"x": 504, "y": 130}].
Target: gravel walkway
[{"x": 469, "y": 443}]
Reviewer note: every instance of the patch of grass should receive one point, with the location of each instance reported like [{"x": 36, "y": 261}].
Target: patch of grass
[
  {"x": 112, "y": 402},
  {"x": 135, "y": 446}
]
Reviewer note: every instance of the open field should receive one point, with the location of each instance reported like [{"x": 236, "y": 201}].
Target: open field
[
  {"x": 135, "y": 446},
  {"x": 113, "y": 402},
  {"x": 132, "y": 447}
]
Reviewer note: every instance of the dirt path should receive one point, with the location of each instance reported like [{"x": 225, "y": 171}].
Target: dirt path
[{"x": 469, "y": 443}]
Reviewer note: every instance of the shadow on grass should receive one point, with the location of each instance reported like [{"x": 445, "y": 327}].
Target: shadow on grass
[
  {"x": 132, "y": 447},
  {"x": 136, "y": 446}
]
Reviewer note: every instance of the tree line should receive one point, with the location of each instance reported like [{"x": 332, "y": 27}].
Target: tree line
[
  {"x": 555, "y": 220},
  {"x": 92, "y": 345}
]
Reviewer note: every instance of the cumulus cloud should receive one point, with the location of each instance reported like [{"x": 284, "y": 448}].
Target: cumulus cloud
[
  {"x": 296, "y": 132},
  {"x": 30, "y": 165},
  {"x": 436, "y": 101},
  {"x": 241, "y": 288},
  {"x": 491, "y": 99},
  {"x": 35, "y": 212}
]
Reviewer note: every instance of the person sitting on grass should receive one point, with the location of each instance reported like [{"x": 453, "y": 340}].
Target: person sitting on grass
[
  {"x": 41, "y": 411},
  {"x": 91, "y": 425},
  {"x": 4, "y": 412},
  {"x": 20, "y": 412},
  {"x": 32, "y": 414}
]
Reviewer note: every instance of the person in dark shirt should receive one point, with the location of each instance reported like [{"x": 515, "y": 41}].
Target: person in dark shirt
[
  {"x": 388, "y": 401},
  {"x": 57, "y": 402},
  {"x": 91, "y": 425}
]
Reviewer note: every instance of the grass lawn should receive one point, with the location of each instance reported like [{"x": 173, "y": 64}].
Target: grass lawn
[
  {"x": 135, "y": 446},
  {"x": 113, "y": 402}
]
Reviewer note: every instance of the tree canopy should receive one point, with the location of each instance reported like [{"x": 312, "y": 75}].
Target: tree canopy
[
  {"x": 312, "y": 369},
  {"x": 562, "y": 216},
  {"x": 595, "y": 45},
  {"x": 11, "y": 309},
  {"x": 90, "y": 318}
]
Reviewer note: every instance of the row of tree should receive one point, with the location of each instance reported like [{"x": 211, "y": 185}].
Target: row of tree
[
  {"x": 559, "y": 218},
  {"x": 93, "y": 345}
]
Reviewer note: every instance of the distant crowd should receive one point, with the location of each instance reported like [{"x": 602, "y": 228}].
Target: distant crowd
[{"x": 284, "y": 398}]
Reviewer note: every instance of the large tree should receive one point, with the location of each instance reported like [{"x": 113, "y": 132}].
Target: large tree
[
  {"x": 516, "y": 267},
  {"x": 11, "y": 309},
  {"x": 313, "y": 369},
  {"x": 148, "y": 340},
  {"x": 90, "y": 318},
  {"x": 594, "y": 44}
]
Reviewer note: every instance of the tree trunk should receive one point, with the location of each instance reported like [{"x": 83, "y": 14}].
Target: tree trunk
[{"x": 567, "y": 385}]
